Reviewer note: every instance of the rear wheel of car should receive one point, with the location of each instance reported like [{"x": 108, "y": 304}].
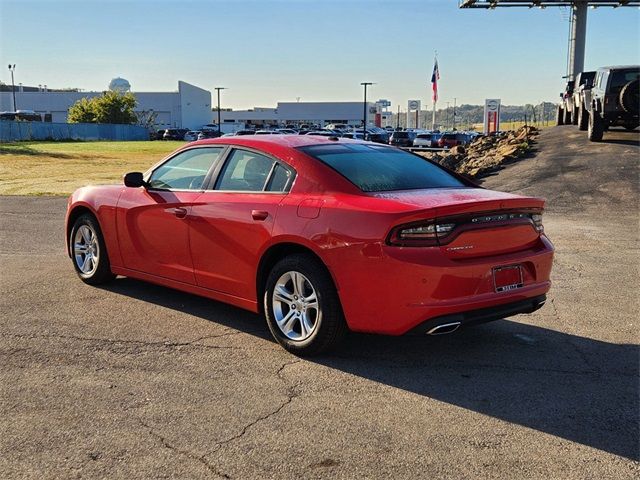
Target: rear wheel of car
[
  {"x": 583, "y": 118},
  {"x": 567, "y": 117},
  {"x": 302, "y": 307},
  {"x": 560, "y": 116},
  {"x": 88, "y": 251},
  {"x": 630, "y": 97},
  {"x": 595, "y": 128}
]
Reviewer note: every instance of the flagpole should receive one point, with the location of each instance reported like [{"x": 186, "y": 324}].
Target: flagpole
[{"x": 433, "y": 114}]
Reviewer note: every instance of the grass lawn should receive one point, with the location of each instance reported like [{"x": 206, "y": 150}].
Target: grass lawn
[{"x": 58, "y": 168}]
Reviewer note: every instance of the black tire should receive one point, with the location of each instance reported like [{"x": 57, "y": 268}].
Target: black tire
[
  {"x": 630, "y": 97},
  {"x": 101, "y": 269},
  {"x": 329, "y": 327},
  {"x": 567, "y": 117},
  {"x": 560, "y": 116},
  {"x": 595, "y": 129},
  {"x": 631, "y": 126},
  {"x": 583, "y": 118},
  {"x": 575, "y": 115}
]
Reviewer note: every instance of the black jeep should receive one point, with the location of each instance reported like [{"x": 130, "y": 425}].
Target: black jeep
[{"x": 615, "y": 100}]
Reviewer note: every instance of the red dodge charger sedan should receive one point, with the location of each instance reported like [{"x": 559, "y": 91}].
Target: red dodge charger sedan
[{"x": 322, "y": 235}]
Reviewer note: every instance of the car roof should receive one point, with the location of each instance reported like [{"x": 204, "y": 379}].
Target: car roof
[
  {"x": 291, "y": 141},
  {"x": 620, "y": 67}
]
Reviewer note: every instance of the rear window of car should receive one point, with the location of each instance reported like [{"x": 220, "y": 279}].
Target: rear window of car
[
  {"x": 375, "y": 168},
  {"x": 619, "y": 78},
  {"x": 401, "y": 135},
  {"x": 425, "y": 136}
]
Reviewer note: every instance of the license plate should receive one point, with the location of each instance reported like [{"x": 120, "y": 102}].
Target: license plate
[{"x": 507, "y": 278}]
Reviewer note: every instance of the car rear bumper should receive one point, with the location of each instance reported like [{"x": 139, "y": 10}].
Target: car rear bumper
[
  {"x": 404, "y": 288},
  {"x": 483, "y": 315}
]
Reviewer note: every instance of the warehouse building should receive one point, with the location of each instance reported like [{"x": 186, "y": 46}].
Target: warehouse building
[
  {"x": 316, "y": 113},
  {"x": 189, "y": 107}
]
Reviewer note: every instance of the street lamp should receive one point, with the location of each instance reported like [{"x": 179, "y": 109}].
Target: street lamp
[
  {"x": 364, "y": 111},
  {"x": 218, "y": 91},
  {"x": 12, "y": 68}
]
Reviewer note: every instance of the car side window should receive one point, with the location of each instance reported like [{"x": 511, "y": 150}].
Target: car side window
[
  {"x": 185, "y": 171},
  {"x": 244, "y": 171},
  {"x": 280, "y": 179}
]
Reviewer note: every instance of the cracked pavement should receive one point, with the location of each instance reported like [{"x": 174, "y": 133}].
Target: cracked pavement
[{"x": 138, "y": 381}]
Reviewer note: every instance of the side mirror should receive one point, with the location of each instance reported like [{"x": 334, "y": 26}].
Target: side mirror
[{"x": 134, "y": 180}]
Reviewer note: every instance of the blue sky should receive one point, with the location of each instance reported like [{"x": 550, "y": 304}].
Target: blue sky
[{"x": 276, "y": 50}]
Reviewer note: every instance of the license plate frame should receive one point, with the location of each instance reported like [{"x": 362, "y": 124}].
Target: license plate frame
[{"x": 507, "y": 278}]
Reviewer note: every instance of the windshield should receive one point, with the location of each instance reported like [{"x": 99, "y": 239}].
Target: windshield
[{"x": 376, "y": 168}]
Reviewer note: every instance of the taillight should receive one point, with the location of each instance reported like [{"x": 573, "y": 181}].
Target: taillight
[
  {"x": 420, "y": 235},
  {"x": 537, "y": 221},
  {"x": 430, "y": 233}
]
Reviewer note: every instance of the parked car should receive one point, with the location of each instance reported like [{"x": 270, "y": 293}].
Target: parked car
[
  {"x": 268, "y": 132},
  {"x": 159, "y": 134},
  {"x": 324, "y": 133},
  {"x": 357, "y": 215},
  {"x": 240, "y": 133},
  {"x": 402, "y": 139},
  {"x": 615, "y": 100},
  {"x": 582, "y": 99},
  {"x": 354, "y": 135},
  {"x": 448, "y": 140},
  {"x": 192, "y": 135},
  {"x": 426, "y": 140},
  {"x": 287, "y": 131},
  {"x": 565, "y": 107},
  {"x": 174, "y": 134}
]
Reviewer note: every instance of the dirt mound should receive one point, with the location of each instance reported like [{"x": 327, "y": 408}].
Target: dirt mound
[{"x": 486, "y": 154}]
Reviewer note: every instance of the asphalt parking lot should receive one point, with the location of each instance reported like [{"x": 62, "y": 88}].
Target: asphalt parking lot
[{"x": 138, "y": 381}]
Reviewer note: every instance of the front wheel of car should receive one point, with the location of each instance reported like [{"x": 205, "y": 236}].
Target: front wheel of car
[
  {"x": 302, "y": 307},
  {"x": 88, "y": 251},
  {"x": 583, "y": 118},
  {"x": 560, "y": 116}
]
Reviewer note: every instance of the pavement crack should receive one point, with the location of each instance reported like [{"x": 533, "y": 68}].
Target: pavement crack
[
  {"x": 112, "y": 341},
  {"x": 291, "y": 393},
  {"x": 193, "y": 456}
]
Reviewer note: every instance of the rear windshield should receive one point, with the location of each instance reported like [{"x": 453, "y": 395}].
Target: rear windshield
[
  {"x": 401, "y": 135},
  {"x": 619, "y": 78},
  {"x": 425, "y": 136},
  {"x": 376, "y": 168}
]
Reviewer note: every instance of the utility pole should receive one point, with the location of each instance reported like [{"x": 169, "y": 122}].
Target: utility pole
[
  {"x": 454, "y": 113},
  {"x": 12, "y": 69},
  {"x": 364, "y": 110},
  {"x": 447, "y": 125},
  {"x": 218, "y": 92},
  {"x": 398, "y": 119}
]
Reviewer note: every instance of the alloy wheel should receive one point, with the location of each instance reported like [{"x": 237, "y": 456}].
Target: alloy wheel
[{"x": 295, "y": 306}]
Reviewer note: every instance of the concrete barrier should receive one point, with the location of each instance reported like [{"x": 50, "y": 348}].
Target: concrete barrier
[{"x": 15, "y": 131}]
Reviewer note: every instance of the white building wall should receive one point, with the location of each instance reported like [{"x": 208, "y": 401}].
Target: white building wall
[
  {"x": 303, "y": 112},
  {"x": 195, "y": 106},
  {"x": 190, "y": 107}
]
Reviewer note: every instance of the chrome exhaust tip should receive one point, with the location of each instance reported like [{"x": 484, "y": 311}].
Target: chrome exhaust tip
[{"x": 444, "y": 328}]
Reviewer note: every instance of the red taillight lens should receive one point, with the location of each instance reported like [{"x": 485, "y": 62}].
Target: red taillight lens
[{"x": 420, "y": 235}]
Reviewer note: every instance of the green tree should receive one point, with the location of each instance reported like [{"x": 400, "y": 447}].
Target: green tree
[
  {"x": 82, "y": 111},
  {"x": 110, "y": 107}
]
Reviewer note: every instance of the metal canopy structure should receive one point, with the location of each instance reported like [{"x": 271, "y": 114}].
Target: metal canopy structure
[{"x": 578, "y": 33}]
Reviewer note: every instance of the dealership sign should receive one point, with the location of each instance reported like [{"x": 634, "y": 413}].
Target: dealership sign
[
  {"x": 413, "y": 105},
  {"x": 491, "y": 115}
]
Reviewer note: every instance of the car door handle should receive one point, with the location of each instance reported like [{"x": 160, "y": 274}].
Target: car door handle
[
  {"x": 259, "y": 215},
  {"x": 178, "y": 211}
]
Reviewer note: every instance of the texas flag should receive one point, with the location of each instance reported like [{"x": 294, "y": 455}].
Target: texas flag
[{"x": 434, "y": 80}]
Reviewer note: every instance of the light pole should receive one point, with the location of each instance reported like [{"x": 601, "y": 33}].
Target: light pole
[
  {"x": 12, "y": 68},
  {"x": 218, "y": 91},
  {"x": 364, "y": 110}
]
